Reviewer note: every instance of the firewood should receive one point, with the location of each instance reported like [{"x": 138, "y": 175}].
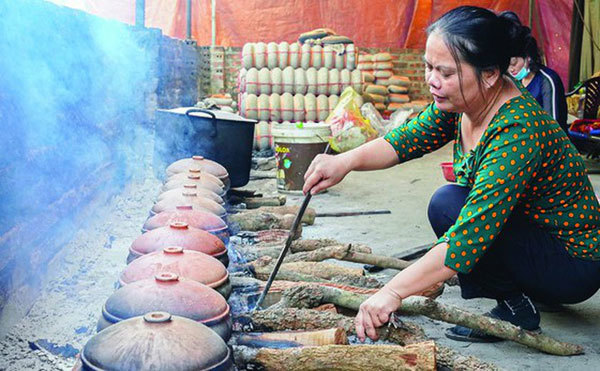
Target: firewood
[
  {"x": 258, "y": 202},
  {"x": 312, "y": 295},
  {"x": 419, "y": 356},
  {"x": 297, "y": 319},
  {"x": 311, "y": 272},
  {"x": 259, "y": 221},
  {"x": 292, "y": 338},
  {"x": 279, "y": 319},
  {"x": 249, "y": 284},
  {"x": 347, "y": 253},
  {"x": 308, "y": 217},
  {"x": 253, "y": 252}
]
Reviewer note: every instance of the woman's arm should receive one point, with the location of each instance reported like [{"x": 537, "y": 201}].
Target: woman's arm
[
  {"x": 327, "y": 170},
  {"x": 424, "y": 273}
]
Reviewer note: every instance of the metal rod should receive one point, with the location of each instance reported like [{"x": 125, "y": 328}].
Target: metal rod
[
  {"x": 140, "y": 13},
  {"x": 188, "y": 32},
  {"x": 287, "y": 245},
  {"x": 354, "y": 213}
]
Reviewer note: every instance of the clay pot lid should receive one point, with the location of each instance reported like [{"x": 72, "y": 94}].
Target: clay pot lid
[
  {"x": 178, "y": 233},
  {"x": 166, "y": 292},
  {"x": 193, "y": 176},
  {"x": 193, "y": 190},
  {"x": 189, "y": 264},
  {"x": 185, "y": 213},
  {"x": 157, "y": 340},
  {"x": 197, "y": 201},
  {"x": 198, "y": 163}
]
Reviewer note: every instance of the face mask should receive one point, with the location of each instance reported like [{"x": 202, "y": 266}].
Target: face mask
[{"x": 522, "y": 74}]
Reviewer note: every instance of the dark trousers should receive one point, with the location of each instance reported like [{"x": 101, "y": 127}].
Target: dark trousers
[{"x": 523, "y": 259}]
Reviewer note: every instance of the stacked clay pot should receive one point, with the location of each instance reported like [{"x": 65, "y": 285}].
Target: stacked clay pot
[
  {"x": 178, "y": 234},
  {"x": 156, "y": 341},
  {"x": 382, "y": 87},
  {"x": 187, "y": 264},
  {"x": 201, "y": 164},
  {"x": 203, "y": 220},
  {"x": 168, "y": 292}
]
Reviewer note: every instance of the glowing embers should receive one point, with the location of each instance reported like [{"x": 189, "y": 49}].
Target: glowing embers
[
  {"x": 178, "y": 234},
  {"x": 157, "y": 341},
  {"x": 202, "y": 164},
  {"x": 188, "y": 264},
  {"x": 169, "y": 293},
  {"x": 194, "y": 218}
]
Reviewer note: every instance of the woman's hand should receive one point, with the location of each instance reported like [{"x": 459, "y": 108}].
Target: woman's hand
[
  {"x": 375, "y": 312},
  {"x": 325, "y": 171}
]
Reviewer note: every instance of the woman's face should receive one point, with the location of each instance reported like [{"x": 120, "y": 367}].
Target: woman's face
[
  {"x": 441, "y": 74},
  {"x": 516, "y": 64}
]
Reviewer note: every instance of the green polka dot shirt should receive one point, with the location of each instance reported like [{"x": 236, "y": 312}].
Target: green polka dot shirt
[{"x": 524, "y": 160}]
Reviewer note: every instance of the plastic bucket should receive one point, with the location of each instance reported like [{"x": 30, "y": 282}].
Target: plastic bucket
[{"x": 296, "y": 145}]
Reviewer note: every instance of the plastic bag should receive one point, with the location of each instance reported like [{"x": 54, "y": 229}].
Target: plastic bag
[
  {"x": 349, "y": 129},
  {"x": 374, "y": 118}
]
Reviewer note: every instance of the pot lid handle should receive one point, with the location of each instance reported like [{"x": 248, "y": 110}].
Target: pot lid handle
[
  {"x": 179, "y": 225},
  {"x": 198, "y": 158},
  {"x": 166, "y": 277},
  {"x": 173, "y": 250},
  {"x": 184, "y": 207},
  {"x": 157, "y": 317}
]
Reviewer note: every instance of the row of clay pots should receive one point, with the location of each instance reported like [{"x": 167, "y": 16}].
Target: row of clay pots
[{"x": 170, "y": 311}]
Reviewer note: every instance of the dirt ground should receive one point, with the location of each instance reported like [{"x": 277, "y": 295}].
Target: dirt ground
[{"x": 83, "y": 275}]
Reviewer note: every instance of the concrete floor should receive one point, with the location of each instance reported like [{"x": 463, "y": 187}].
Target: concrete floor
[{"x": 406, "y": 190}]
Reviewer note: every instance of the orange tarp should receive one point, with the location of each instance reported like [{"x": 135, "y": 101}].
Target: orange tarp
[{"x": 370, "y": 23}]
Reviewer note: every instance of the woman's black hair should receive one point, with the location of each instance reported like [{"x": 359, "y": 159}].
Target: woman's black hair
[
  {"x": 477, "y": 36},
  {"x": 525, "y": 44}
]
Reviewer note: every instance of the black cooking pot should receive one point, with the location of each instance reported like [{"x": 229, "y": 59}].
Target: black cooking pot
[{"x": 220, "y": 136}]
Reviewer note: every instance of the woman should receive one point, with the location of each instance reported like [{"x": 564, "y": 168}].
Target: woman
[
  {"x": 542, "y": 82},
  {"x": 523, "y": 220}
]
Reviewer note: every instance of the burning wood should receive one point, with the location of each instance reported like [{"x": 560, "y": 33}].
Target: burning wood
[
  {"x": 419, "y": 356},
  {"x": 312, "y": 295}
]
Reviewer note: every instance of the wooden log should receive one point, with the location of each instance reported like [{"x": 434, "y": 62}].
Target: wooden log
[
  {"x": 308, "y": 217},
  {"x": 312, "y": 295},
  {"x": 258, "y": 202},
  {"x": 259, "y": 221},
  {"x": 249, "y": 283},
  {"x": 253, "y": 252},
  {"x": 419, "y": 356},
  {"x": 279, "y": 319},
  {"x": 292, "y": 338},
  {"x": 347, "y": 253},
  {"x": 406, "y": 333},
  {"x": 304, "y": 245},
  {"x": 310, "y": 272}
]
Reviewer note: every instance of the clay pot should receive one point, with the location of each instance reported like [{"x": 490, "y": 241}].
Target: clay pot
[
  {"x": 202, "y": 180},
  {"x": 191, "y": 189},
  {"x": 157, "y": 341},
  {"x": 188, "y": 264},
  {"x": 196, "y": 175},
  {"x": 168, "y": 293},
  {"x": 194, "y": 218},
  {"x": 199, "y": 163},
  {"x": 178, "y": 234},
  {"x": 189, "y": 199}
]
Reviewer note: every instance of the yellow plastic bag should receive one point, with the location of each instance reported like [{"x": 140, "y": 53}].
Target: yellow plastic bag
[{"x": 349, "y": 129}]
